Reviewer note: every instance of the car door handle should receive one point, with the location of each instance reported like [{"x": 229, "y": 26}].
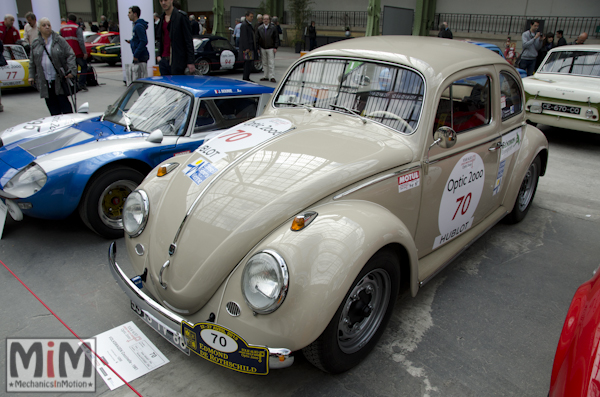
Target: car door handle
[{"x": 497, "y": 146}]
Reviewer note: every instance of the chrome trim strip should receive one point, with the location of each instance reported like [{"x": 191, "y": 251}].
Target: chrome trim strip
[
  {"x": 465, "y": 150},
  {"x": 374, "y": 181},
  {"x": 171, "y": 319},
  {"x": 218, "y": 177},
  {"x": 422, "y": 283}
]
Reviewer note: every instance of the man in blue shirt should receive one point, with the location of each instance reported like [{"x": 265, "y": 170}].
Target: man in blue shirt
[{"x": 139, "y": 42}]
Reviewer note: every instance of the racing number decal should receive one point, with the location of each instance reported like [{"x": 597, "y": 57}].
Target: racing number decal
[
  {"x": 227, "y": 59},
  {"x": 461, "y": 196}
]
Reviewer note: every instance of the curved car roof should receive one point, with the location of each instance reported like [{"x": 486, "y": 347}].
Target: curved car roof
[
  {"x": 208, "y": 86},
  {"x": 577, "y": 47},
  {"x": 430, "y": 55}
]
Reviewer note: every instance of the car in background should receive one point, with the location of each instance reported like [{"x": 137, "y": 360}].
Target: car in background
[
  {"x": 109, "y": 53},
  {"x": 377, "y": 161},
  {"x": 101, "y": 39},
  {"x": 497, "y": 50},
  {"x": 214, "y": 53},
  {"x": 564, "y": 92},
  {"x": 54, "y": 166},
  {"x": 16, "y": 73},
  {"x": 575, "y": 369}
]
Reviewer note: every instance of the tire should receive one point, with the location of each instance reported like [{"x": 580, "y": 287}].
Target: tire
[
  {"x": 257, "y": 66},
  {"x": 526, "y": 192},
  {"x": 110, "y": 187},
  {"x": 202, "y": 68},
  {"x": 111, "y": 63},
  {"x": 341, "y": 347}
]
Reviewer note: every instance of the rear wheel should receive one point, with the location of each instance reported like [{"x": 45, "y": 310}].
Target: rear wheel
[
  {"x": 102, "y": 203},
  {"x": 257, "y": 66},
  {"x": 361, "y": 318},
  {"x": 111, "y": 63},
  {"x": 202, "y": 67},
  {"x": 526, "y": 192}
]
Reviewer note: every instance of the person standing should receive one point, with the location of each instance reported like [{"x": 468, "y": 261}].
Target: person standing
[
  {"x": 258, "y": 21},
  {"x": 51, "y": 62},
  {"x": 73, "y": 34},
  {"x": 580, "y": 39},
  {"x": 312, "y": 36},
  {"x": 247, "y": 51},
  {"x": 560, "y": 40},
  {"x": 103, "y": 24},
  {"x": 532, "y": 42},
  {"x": 195, "y": 25},
  {"x": 236, "y": 32},
  {"x": 275, "y": 21},
  {"x": 445, "y": 32},
  {"x": 31, "y": 29},
  {"x": 8, "y": 33},
  {"x": 547, "y": 45},
  {"x": 203, "y": 24},
  {"x": 176, "y": 49},
  {"x": 139, "y": 43},
  {"x": 268, "y": 41}
]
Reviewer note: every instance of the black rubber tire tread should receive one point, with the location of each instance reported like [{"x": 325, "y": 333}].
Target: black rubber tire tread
[
  {"x": 324, "y": 353},
  {"x": 95, "y": 187},
  {"x": 257, "y": 70},
  {"x": 516, "y": 215}
]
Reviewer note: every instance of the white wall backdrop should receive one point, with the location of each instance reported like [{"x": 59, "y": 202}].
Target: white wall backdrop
[
  {"x": 48, "y": 9},
  {"x": 126, "y": 30}
]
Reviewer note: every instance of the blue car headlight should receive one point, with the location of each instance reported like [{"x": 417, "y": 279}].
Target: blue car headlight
[
  {"x": 26, "y": 182},
  {"x": 135, "y": 213}
]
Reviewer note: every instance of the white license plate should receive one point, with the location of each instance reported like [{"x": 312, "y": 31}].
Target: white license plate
[{"x": 174, "y": 337}]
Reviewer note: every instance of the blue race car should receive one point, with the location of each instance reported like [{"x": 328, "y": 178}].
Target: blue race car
[
  {"x": 56, "y": 165},
  {"x": 497, "y": 50}
]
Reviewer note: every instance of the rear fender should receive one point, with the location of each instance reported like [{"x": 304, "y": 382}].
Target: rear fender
[{"x": 323, "y": 261}]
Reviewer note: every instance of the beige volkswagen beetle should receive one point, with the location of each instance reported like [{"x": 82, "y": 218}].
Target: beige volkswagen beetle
[{"x": 377, "y": 161}]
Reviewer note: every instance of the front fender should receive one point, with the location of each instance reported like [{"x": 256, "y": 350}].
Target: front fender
[
  {"x": 323, "y": 261},
  {"x": 534, "y": 143}
]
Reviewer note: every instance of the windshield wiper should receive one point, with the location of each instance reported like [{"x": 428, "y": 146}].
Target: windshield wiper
[
  {"x": 302, "y": 105},
  {"x": 351, "y": 111},
  {"x": 128, "y": 124}
]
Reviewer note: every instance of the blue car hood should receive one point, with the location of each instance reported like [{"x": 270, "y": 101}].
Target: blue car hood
[{"x": 26, "y": 142}]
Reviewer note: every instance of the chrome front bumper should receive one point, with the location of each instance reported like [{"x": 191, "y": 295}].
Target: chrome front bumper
[{"x": 278, "y": 357}]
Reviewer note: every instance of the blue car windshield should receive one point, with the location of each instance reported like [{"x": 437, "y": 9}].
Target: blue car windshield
[{"x": 147, "y": 107}]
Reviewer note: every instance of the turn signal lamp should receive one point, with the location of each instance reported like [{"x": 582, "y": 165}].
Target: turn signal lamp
[
  {"x": 166, "y": 168},
  {"x": 301, "y": 221}
]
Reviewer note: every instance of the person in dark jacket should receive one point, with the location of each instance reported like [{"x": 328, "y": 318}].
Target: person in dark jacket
[
  {"x": 195, "y": 25},
  {"x": 268, "y": 41},
  {"x": 247, "y": 51},
  {"x": 445, "y": 32},
  {"x": 139, "y": 41},
  {"x": 312, "y": 36},
  {"x": 560, "y": 40},
  {"x": 547, "y": 45},
  {"x": 176, "y": 49}
]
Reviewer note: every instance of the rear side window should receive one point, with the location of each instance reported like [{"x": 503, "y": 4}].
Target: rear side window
[
  {"x": 465, "y": 104},
  {"x": 511, "y": 100}
]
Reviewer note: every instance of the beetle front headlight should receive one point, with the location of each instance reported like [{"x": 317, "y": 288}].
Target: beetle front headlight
[
  {"x": 26, "y": 182},
  {"x": 135, "y": 213},
  {"x": 265, "y": 282}
]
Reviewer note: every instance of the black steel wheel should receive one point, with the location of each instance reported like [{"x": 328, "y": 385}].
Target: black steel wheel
[{"x": 526, "y": 192}]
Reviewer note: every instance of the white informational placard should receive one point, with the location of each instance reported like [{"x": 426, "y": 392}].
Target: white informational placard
[
  {"x": 47, "y": 9},
  {"x": 126, "y": 31},
  {"x": 129, "y": 352}
]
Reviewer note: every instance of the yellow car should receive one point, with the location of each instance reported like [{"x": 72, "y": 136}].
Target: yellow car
[
  {"x": 16, "y": 73},
  {"x": 109, "y": 53}
]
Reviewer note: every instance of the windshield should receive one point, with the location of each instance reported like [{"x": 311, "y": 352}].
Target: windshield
[
  {"x": 147, "y": 107},
  {"x": 387, "y": 94},
  {"x": 584, "y": 63}
]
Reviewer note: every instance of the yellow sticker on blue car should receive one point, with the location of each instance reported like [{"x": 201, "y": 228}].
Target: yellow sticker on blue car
[{"x": 224, "y": 347}]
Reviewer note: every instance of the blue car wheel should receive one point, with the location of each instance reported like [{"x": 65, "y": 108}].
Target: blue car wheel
[{"x": 102, "y": 203}]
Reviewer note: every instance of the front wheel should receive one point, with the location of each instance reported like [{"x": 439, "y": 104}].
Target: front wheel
[
  {"x": 361, "y": 318},
  {"x": 526, "y": 192},
  {"x": 202, "y": 67},
  {"x": 101, "y": 206}
]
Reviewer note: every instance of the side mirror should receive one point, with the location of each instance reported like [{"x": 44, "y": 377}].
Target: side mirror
[
  {"x": 444, "y": 137},
  {"x": 85, "y": 108},
  {"x": 155, "y": 137}
]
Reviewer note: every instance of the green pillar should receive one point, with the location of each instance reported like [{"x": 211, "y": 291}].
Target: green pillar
[
  {"x": 373, "y": 11},
  {"x": 99, "y": 6},
  {"x": 219, "y": 27},
  {"x": 62, "y": 4},
  {"x": 424, "y": 16}
]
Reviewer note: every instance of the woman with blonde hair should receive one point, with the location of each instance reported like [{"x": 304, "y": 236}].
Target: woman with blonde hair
[{"x": 51, "y": 68}]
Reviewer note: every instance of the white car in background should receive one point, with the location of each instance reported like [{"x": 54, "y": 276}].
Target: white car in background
[{"x": 565, "y": 90}]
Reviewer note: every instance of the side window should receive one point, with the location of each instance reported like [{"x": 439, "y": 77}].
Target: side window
[
  {"x": 511, "y": 100},
  {"x": 465, "y": 104},
  {"x": 239, "y": 109},
  {"x": 204, "y": 118}
]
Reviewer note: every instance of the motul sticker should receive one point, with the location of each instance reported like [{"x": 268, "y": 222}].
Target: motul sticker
[{"x": 408, "y": 181}]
